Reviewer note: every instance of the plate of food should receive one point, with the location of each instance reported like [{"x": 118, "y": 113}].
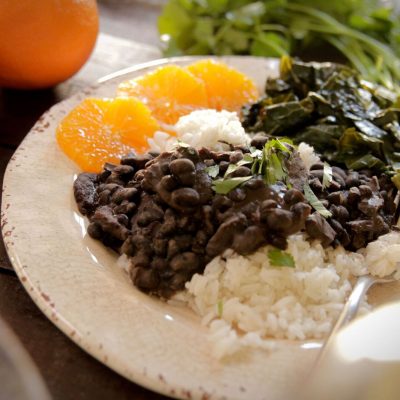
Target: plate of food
[{"x": 197, "y": 224}]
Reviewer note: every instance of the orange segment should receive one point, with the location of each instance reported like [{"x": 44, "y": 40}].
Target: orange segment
[
  {"x": 169, "y": 91},
  {"x": 227, "y": 88},
  {"x": 103, "y": 130}
]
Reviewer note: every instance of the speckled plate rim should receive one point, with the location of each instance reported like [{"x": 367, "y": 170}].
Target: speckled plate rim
[{"x": 79, "y": 290}]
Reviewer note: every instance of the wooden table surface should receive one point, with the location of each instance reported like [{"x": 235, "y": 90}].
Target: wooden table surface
[{"x": 68, "y": 371}]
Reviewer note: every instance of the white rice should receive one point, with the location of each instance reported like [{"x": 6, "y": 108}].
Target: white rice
[
  {"x": 245, "y": 301},
  {"x": 208, "y": 128}
]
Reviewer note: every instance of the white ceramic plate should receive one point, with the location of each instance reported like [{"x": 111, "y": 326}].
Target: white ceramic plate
[{"x": 76, "y": 283}]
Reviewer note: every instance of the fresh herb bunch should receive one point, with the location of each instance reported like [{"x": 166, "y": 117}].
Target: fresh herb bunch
[{"x": 366, "y": 33}]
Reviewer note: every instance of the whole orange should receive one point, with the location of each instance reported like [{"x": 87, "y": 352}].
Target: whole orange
[{"x": 44, "y": 42}]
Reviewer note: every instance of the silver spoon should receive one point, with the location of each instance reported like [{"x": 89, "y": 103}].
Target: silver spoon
[{"x": 350, "y": 309}]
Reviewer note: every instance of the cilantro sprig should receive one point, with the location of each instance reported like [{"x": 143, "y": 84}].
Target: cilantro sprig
[
  {"x": 280, "y": 258},
  {"x": 268, "y": 163}
]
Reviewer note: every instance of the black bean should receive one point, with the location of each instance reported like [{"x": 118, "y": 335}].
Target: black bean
[
  {"x": 124, "y": 194},
  {"x": 248, "y": 241},
  {"x": 259, "y": 140},
  {"x": 317, "y": 166},
  {"x": 146, "y": 279},
  {"x": 184, "y": 170},
  {"x": 111, "y": 187},
  {"x": 95, "y": 231},
  {"x": 159, "y": 263},
  {"x": 293, "y": 196},
  {"x": 185, "y": 197},
  {"x": 237, "y": 194},
  {"x": 279, "y": 241},
  {"x": 278, "y": 219},
  {"x": 109, "y": 224},
  {"x": 168, "y": 183},
  {"x": 352, "y": 179},
  {"x": 340, "y": 213},
  {"x": 241, "y": 171},
  {"x": 317, "y": 173},
  {"x": 339, "y": 171},
  {"x": 336, "y": 198},
  {"x": 150, "y": 212},
  {"x": 339, "y": 179},
  {"x": 315, "y": 184},
  {"x": 254, "y": 184},
  {"x": 114, "y": 178},
  {"x": 221, "y": 203},
  {"x": 186, "y": 260},
  {"x": 334, "y": 186},
  {"x": 125, "y": 208},
  {"x": 223, "y": 237},
  {"x": 365, "y": 191},
  {"x": 138, "y": 161},
  {"x": 123, "y": 219},
  {"x": 235, "y": 157},
  {"x": 219, "y": 156},
  {"x": 358, "y": 241},
  {"x": 353, "y": 196},
  {"x": 172, "y": 248},
  {"x": 124, "y": 171},
  {"x": 223, "y": 166},
  {"x": 267, "y": 204},
  {"x": 85, "y": 193},
  {"x": 177, "y": 282},
  {"x": 318, "y": 228},
  {"x": 205, "y": 153}
]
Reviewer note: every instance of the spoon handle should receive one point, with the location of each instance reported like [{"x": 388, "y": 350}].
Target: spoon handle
[{"x": 349, "y": 311}]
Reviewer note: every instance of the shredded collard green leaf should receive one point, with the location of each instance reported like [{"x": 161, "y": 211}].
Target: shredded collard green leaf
[
  {"x": 327, "y": 177},
  {"x": 315, "y": 202},
  {"x": 280, "y": 258},
  {"x": 212, "y": 171},
  {"x": 224, "y": 186}
]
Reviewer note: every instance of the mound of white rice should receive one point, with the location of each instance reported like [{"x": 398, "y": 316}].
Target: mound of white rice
[
  {"x": 208, "y": 128},
  {"x": 245, "y": 301}
]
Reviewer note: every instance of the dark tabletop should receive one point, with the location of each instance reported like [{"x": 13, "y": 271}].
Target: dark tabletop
[{"x": 67, "y": 370}]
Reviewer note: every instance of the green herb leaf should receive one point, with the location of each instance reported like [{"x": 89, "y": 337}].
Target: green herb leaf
[
  {"x": 231, "y": 168},
  {"x": 315, "y": 202},
  {"x": 212, "y": 171},
  {"x": 396, "y": 180},
  {"x": 220, "y": 308},
  {"x": 224, "y": 186},
  {"x": 327, "y": 177},
  {"x": 279, "y": 258}
]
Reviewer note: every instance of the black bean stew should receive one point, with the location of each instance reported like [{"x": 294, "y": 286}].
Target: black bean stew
[{"x": 162, "y": 211}]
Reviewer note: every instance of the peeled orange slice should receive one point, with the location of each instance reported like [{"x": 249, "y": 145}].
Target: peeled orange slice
[
  {"x": 103, "y": 130},
  {"x": 169, "y": 92},
  {"x": 227, "y": 88}
]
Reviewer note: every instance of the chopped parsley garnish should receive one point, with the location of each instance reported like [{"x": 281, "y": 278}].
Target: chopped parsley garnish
[
  {"x": 268, "y": 162},
  {"x": 280, "y": 258},
  {"x": 220, "y": 308},
  {"x": 315, "y": 202},
  {"x": 224, "y": 186},
  {"x": 212, "y": 171},
  {"x": 327, "y": 176}
]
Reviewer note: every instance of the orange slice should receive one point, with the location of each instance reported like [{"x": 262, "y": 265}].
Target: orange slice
[
  {"x": 169, "y": 92},
  {"x": 227, "y": 88},
  {"x": 103, "y": 130}
]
